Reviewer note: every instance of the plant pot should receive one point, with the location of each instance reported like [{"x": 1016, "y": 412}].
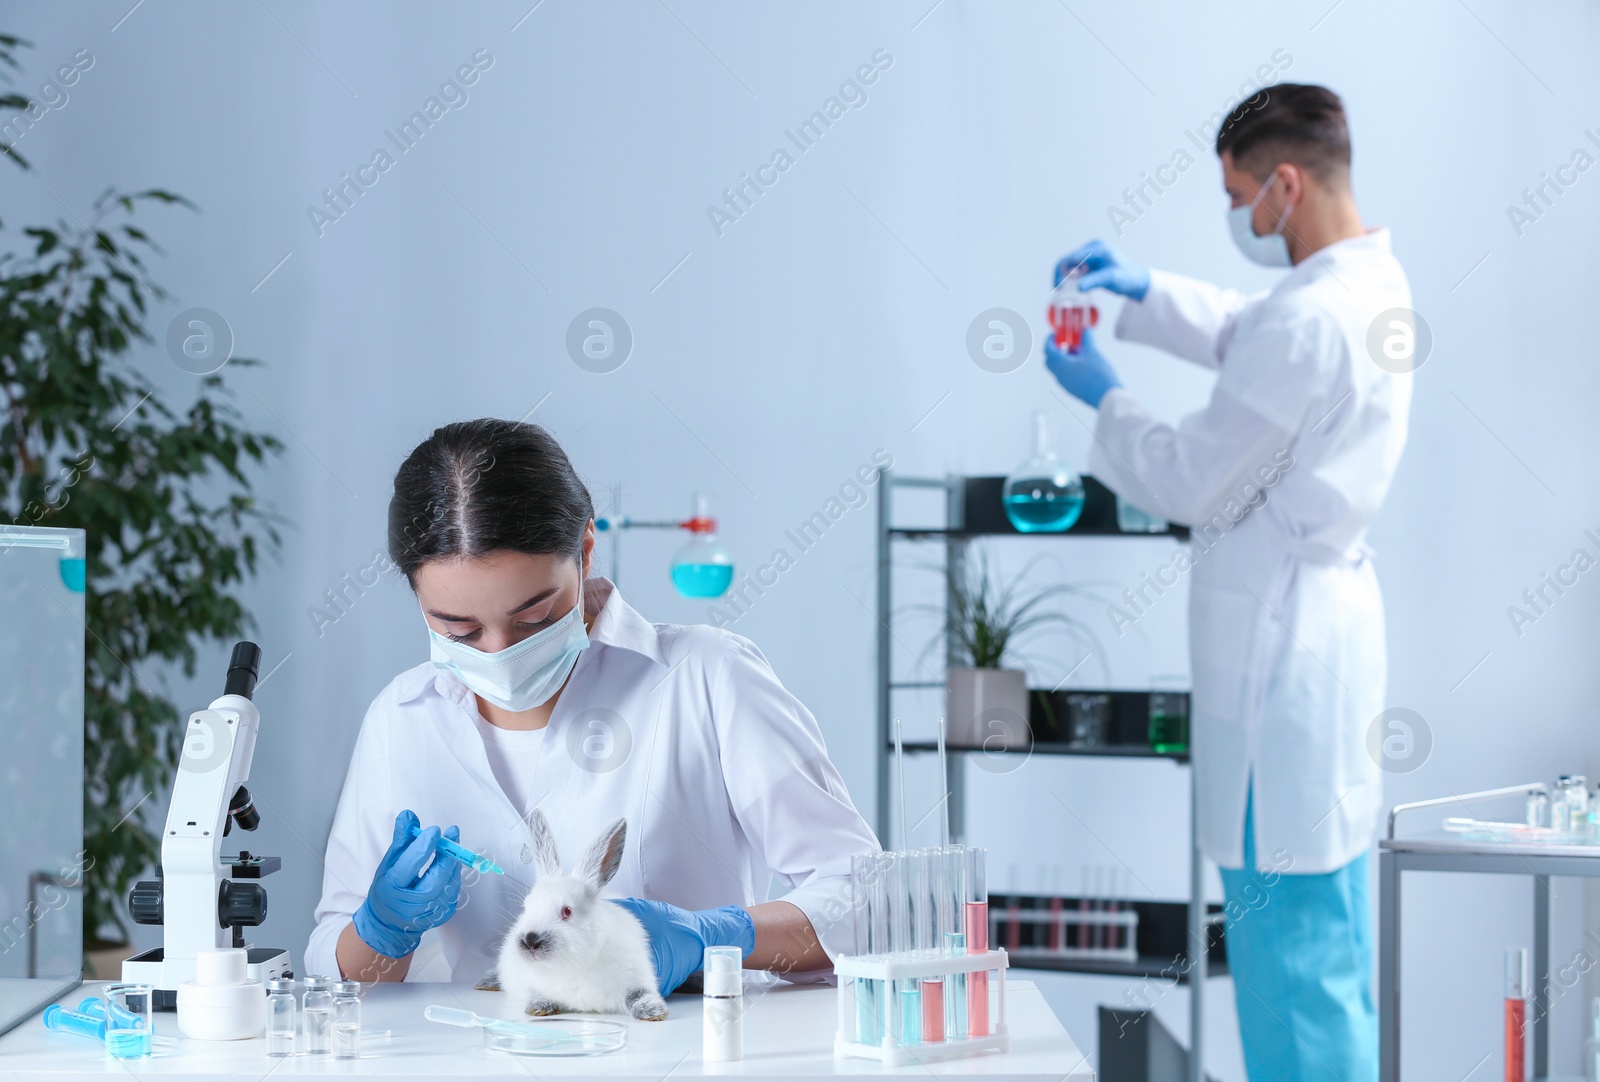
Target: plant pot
[
  {"x": 103, "y": 961},
  {"x": 987, "y": 708}
]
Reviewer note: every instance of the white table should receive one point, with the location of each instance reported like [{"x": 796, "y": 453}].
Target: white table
[{"x": 788, "y": 1035}]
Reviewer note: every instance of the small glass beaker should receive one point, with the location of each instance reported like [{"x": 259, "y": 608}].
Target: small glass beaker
[
  {"x": 129, "y": 1020},
  {"x": 1169, "y": 716},
  {"x": 1132, "y": 520},
  {"x": 1088, "y": 719}
]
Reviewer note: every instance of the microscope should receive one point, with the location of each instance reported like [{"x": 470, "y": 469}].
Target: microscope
[{"x": 196, "y": 898}]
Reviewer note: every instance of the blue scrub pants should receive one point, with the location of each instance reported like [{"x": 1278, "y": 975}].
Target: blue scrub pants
[{"x": 1300, "y": 952}]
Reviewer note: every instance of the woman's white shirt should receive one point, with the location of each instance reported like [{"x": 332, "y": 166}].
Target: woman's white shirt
[{"x": 684, "y": 730}]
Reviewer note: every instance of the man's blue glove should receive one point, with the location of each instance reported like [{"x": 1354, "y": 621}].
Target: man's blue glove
[
  {"x": 400, "y": 906},
  {"x": 1086, "y": 375},
  {"x": 679, "y": 937},
  {"x": 1105, "y": 268}
]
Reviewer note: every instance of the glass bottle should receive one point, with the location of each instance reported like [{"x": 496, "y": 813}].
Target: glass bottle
[
  {"x": 1169, "y": 716},
  {"x": 281, "y": 1017},
  {"x": 703, "y": 567},
  {"x": 347, "y": 1020},
  {"x": 1538, "y": 808},
  {"x": 1042, "y": 495},
  {"x": 316, "y": 1015}
]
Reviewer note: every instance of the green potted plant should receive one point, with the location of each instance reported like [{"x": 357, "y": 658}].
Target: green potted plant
[
  {"x": 984, "y": 621},
  {"x": 164, "y": 494}
]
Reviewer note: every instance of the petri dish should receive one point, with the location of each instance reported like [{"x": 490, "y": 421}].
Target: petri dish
[{"x": 556, "y": 1037}]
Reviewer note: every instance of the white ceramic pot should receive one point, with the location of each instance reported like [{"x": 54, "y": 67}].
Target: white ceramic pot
[{"x": 986, "y": 708}]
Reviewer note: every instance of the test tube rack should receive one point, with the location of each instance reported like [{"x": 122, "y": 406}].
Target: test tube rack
[
  {"x": 1053, "y": 932},
  {"x": 893, "y": 1052}
]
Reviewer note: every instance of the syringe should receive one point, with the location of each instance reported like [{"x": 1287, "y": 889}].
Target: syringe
[{"x": 456, "y": 851}]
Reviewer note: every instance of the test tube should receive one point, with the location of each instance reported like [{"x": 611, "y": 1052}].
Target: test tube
[
  {"x": 908, "y": 994},
  {"x": 865, "y": 879},
  {"x": 954, "y": 857},
  {"x": 975, "y": 913},
  {"x": 1516, "y": 1014},
  {"x": 929, "y": 879}
]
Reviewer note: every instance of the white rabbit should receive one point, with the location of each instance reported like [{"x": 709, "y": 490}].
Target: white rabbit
[{"x": 572, "y": 950}]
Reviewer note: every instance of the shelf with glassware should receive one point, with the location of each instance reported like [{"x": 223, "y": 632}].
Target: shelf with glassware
[{"x": 987, "y": 507}]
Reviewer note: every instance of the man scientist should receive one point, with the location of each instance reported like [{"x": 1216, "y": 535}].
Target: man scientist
[{"x": 1286, "y": 629}]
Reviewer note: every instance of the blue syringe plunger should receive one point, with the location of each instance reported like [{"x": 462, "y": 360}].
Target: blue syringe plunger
[{"x": 456, "y": 851}]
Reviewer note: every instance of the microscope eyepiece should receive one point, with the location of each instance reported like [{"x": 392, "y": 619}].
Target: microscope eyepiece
[{"x": 243, "y": 668}]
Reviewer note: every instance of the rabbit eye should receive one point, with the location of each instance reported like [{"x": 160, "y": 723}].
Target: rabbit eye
[{"x": 566, "y": 912}]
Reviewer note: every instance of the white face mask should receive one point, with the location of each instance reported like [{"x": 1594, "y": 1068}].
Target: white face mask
[
  {"x": 1269, "y": 251},
  {"x": 524, "y": 675}
]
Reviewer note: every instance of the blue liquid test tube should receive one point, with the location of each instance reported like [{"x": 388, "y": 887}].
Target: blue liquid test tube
[
  {"x": 908, "y": 992},
  {"x": 456, "y": 851},
  {"x": 866, "y": 877}
]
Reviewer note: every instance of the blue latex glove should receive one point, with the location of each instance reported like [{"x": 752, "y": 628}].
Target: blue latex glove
[
  {"x": 1106, "y": 268},
  {"x": 1086, "y": 375},
  {"x": 405, "y": 901},
  {"x": 679, "y": 937}
]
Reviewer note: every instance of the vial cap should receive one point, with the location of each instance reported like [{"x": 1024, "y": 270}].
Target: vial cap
[
  {"x": 316, "y": 983},
  {"x": 280, "y": 984},
  {"x": 347, "y": 988}
]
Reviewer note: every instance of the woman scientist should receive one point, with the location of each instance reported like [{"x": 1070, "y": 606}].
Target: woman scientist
[{"x": 545, "y": 689}]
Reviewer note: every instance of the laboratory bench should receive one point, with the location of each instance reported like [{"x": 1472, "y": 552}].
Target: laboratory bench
[{"x": 788, "y": 1034}]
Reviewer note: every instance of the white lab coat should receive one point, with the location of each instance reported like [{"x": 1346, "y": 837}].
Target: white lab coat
[
  {"x": 685, "y": 730},
  {"x": 1279, "y": 476}
]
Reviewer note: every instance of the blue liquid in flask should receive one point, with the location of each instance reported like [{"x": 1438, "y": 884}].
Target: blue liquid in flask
[
  {"x": 702, "y": 580},
  {"x": 1043, "y": 505}
]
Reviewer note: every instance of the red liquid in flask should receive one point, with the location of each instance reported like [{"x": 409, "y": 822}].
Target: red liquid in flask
[{"x": 1070, "y": 318}]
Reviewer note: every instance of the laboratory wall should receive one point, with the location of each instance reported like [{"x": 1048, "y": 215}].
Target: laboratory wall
[{"x": 779, "y": 341}]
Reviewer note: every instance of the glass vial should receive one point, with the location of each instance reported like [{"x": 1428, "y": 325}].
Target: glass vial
[
  {"x": 347, "y": 1020},
  {"x": 282, "y": 1017},
  {"x": 1538, "y": 808},
  {"x": 316, "y": 1016},
  {"x": 1516, "y": 1014},
  {"x": 722, "y": 1028}
]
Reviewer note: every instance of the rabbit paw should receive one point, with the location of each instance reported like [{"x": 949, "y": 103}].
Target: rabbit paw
[
  {"x": 489, "y": 982},
  {"x": 541, "y": 1008},
  {"x": 646, "y": 1005}
]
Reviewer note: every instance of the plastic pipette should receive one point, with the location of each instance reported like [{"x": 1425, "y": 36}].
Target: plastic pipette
[
  {"x": 456, "y": 851},
  {"x": 460, "y": 1016}
]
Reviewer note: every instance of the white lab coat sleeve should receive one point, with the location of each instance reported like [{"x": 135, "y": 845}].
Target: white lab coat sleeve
[
  {"x": 363, "y": 827},
  {"x": 1220, "y": 459},
  {"x": 1188, "y": 318},
  {"x": 788, "y": 797}
]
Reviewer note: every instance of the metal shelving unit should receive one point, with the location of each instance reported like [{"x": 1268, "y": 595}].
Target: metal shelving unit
[{"x": 966, "y": 503}]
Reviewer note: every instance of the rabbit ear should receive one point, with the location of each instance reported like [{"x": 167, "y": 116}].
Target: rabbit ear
[
  {"x": 605, "y": 855},
  {"x": 544, "y": 844}
]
